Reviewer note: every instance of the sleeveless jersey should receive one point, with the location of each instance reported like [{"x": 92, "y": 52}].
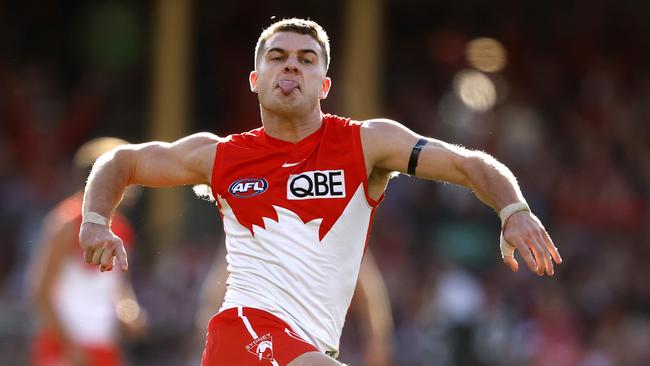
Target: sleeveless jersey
[
  {"x": 84, "y": 297},
  {"x": 297, "y": 219}
]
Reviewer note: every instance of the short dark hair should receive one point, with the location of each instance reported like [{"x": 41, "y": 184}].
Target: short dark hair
[{"x": 300, "y": 26}]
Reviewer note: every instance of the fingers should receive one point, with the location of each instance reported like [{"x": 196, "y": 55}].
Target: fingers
[
  {"x": 97, "y": 256},
  {"x": 552, "y": 249},
  {"x": 511, "y": 262},
  {"x": 122, "y": 260},
  {"x": 527, "y": 234},
  {"x": 534, "y": 256},
  {"x": 88, "y": 255},
  {"x": 541, "y": 258},
  {"x": 548, "y": 255},
  {"x": 538, "y": 259},
  {"x": 107, "y": 259},
  {"x": 103, "y": 249},
  {"x": 525, "y": 252}
]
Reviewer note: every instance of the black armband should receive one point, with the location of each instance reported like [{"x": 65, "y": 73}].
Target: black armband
[{"x": 415, "y": 155}]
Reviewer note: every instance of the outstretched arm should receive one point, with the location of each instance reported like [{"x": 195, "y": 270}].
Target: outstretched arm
[
  {"x": 387, "y": 147},
  {"x": 154, "y": 164}
]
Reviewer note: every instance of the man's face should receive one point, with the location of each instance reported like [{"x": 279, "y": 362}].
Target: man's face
[{"x": 290, "y": 77}]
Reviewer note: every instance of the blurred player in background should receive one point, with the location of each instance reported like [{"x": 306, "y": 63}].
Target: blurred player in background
[
  {"x": 370, "y": 306},
  {"x": 80, "y": 310},
  {"x": 297, "y": 198}
]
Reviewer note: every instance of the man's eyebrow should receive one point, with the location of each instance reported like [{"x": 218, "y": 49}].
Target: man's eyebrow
[
  {"x": 276, "y": 49},
  {"x": 308, "y": 50},
  {"x": 303, "y": 51}
]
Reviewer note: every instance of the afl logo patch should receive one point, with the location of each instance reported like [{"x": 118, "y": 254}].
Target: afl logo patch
[{"x": 248, "y": 187}]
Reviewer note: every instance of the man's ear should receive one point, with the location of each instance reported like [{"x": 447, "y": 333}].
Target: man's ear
[
  {"x": 252, "y": 80},
  {"x": 325, "y": 87}
]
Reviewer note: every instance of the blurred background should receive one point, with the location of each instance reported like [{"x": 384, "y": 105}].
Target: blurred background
[{"x": 558, "y": 91}]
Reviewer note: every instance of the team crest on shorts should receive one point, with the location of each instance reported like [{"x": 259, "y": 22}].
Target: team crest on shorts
[
  {"x": 262, "y": 347},
  {"x": 248, "y": 187}
]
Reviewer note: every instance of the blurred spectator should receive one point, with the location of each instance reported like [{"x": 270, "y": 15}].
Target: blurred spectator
[{"x": 80, "y": 309}]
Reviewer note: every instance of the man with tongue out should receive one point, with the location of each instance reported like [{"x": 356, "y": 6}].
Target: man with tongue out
[{"x": 297, "y": 197}]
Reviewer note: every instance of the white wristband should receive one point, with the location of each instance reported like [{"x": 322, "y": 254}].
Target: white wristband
[
  {"x": 508, "y": 250},
  {"x": 509, "y": 210},
  {"x": 94, "y": 218}
]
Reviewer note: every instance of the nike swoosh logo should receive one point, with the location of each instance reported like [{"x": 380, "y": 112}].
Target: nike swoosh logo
[
  {"x": 289, "y": 165},
  {"x": 294, "y": 335}
]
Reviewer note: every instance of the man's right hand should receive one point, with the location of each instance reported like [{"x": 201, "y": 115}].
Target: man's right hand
[{"x": 101, "y": 247}]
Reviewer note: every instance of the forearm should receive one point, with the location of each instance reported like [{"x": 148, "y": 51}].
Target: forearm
[
  {"x": 389, "y": 146},
  {"x": 106, "y": 183},
  {"x": 492, "y": 182}
]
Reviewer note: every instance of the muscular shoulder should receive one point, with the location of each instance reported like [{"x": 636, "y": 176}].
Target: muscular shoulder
[
  {"x": 385, "y": 140},
  {"x": 163, "y": 164},
  {"x": 199, "y": 150},
  {"x": 198, "y": 147},
  {"x": 199, "y": 140}
]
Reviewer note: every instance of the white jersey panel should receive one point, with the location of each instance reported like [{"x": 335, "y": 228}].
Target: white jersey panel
[
  {"x": 286, "y": 270},
  {"x": 89, "y": 319}
]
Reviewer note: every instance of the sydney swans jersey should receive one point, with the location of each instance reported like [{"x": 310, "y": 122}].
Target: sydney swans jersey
[
  {"x": 297, "y": 219},
  {"x": 84, "y": 298}
]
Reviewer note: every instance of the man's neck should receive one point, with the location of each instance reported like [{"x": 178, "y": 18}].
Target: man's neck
[{"x": 290, "y": 128}]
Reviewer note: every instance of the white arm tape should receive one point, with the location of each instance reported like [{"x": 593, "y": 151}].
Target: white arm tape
[
  {"x": 508, "y": 250},
  {"x": 95, "y": 218},
  {"x": 509, "y": 210}
]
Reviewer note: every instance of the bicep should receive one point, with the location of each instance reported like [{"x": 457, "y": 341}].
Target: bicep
[
  {"x": 161, "y": 164},
  {"x": 389, "y": 145}
]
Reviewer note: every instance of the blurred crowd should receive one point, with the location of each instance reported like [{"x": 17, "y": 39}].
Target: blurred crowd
[{"x": 571, "y": 121}]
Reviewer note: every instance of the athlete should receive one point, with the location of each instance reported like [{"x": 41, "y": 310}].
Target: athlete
[
  {"x": 297, "y": 197},
  {"x": 80, "y": 311}
]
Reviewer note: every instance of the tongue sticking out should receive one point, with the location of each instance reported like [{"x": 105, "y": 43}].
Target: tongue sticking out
[{"x": 287, "y": 86}]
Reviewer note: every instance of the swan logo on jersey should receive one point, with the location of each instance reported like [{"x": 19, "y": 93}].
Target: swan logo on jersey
[
  {"x": 248, "y": 187},
  {"x": 262, "y": 347},
  {"x": 316, "y": 184}
]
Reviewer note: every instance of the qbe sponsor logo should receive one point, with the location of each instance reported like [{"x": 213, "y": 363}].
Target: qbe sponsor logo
[
  {"x": 316, "y": 184},
  {"x": 248, "y": 187}
]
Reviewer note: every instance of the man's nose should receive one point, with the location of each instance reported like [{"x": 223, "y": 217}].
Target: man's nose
[{"x": 291, "y": 65}]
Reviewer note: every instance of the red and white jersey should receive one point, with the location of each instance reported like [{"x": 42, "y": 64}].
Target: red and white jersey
[
  {"x": 83, "y": 297},
  {"x": 297, "y": 219}
]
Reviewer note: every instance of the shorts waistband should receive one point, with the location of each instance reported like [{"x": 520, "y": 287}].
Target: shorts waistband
[{"x": 239, "y": 311}]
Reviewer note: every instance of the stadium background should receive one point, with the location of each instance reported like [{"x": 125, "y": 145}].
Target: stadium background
[{"x": 570, "y": 116}]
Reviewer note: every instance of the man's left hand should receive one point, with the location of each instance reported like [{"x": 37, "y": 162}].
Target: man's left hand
[{"x": 524, "y": 232}]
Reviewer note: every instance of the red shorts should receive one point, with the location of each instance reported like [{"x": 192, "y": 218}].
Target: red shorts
[
  {"x": 247, "y": 336},
  {"x": 47, "y": 351}
]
